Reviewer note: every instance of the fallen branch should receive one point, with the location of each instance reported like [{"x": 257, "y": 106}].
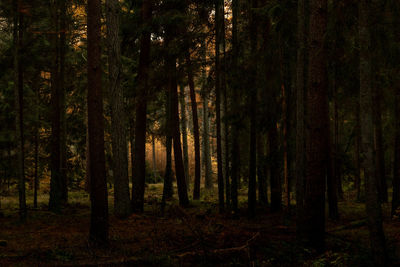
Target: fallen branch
[
  {"x": 222, "y": 250},
  {"x": 352, "y": 225}
]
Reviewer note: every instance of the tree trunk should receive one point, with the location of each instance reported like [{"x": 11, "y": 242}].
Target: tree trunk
[
  {"x": 262, "y": 171},
  {"x": 333, "y": 171},
  {"x": 235, "y": 96},
  {"x": 182, "y": 101},
  {"x": 379, "y": 146},
  {"x": 55, "y": 200},
  {"x": 357, "y": 178},
  {"x": 396, "y": 77},
  {"x": 219, "y": 15},
  {"x": 132, "y": 139},
  {"x": 87, "y": 154},
  {"x": 139, "y": 166},
  {"x": 252, "y": 198},
  {"x": 63, "y": 122},
  {"x": 36, "y": 143},
  {"x": 396, "y": 163},
  {"x": 206, "y": 128},
  {"x": 122, "y": 205},
  {"x": 285, "y": 123},
  {"x": 18, "y": 35},
  {"x": 300, "y": 114},
  {"x": 168, "y": 188},
  {"x": 153, "y": 150},
  {"x": 171, "y": 32},
  {"x": 318, "y": 130},
  {"x": 276, "y": 183},
  {"x": 98, "y": 183},
  {"x": 197, "y": 172},
  {"x": 373, "y": 207}
]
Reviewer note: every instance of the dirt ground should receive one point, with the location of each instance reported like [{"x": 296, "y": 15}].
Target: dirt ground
[{"x": 196, "y": 236}]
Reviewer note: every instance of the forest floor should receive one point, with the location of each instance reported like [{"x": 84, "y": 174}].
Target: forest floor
[{"x": 195, "y": 236}]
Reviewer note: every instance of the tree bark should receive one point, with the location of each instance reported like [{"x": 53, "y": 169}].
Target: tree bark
[
  {"x": 98, "y": 183},
  {"x": 63, "y": 122},
  {"x": 252, "y": 198},
  {"x": 206, "y": 128},
  {"x": 139, "y": 166},
  {"x": 55, "y": 200},
  {"x": 197, "y": 159},
  {"x": 373, "y": 208},
  {"x": 262, "y": 171},
  {"x": 18, "y": 35},
  {"x": 122, "y": 205},
  {"x": 171, "y": 31},
  {"x": 300, "y": 114},
  {"x": 182, "y": 101},
  {"x": 396, "y": 78},
  {"x": 235, "y": 96},
  {"x": 318, "y": 130},
  {"x": 219, "y": 15},
  {"x": 357, "y": 178},
  {"x": 379, "y": 146}
]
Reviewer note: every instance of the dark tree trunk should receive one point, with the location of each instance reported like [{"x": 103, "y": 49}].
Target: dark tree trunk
[
  {"x": 300, "y": 114},
  {"x": 122, "y": 205},
  {"x": 63, "y": 122},
  {"x": 176, "y": 136},
  {"x": 196, "y": 133},
  {"x": 262, "y": 171},
  {"x": 182, "y": 101},
  {"x": 168, "y": 188},
  {"x": 252, "y": 198},
  {"x": 18, "y": 35},
  {"x": 171, "y": 32},
  {"x": 36, "y": 143},
  {"x": 139, "y": 167},
  {"x": 318, "y": 130},
  {"x": 55, "y": 200},
  {"x": 396, "y": 163},
  {"x": 357, "y": 178},
  {"x": 373, "y": 207},
  {"x": 219, "y": 15},
  {"x": 396, "y": 75},
  {"x": 379, "y": 146},
  {"x": 333, "y": 170},
  {"x": 285, "y": 137},
  {"x": 276, "y": 183},
  {"x": 206, "y": 129},
  {"x": 98, "y": 183},
  {"x": 235, "y": 96},
  {"x": 132, "y": 139},
  {"x": 332, "y": 190}
]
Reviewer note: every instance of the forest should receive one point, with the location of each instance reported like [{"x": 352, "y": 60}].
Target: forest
[{"x": 200, "y": 133}]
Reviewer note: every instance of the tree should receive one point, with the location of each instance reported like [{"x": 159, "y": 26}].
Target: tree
[
  {"x": 182, "y": 100},
  {"x": 122, "y": 205},
  {"x": 55, "y": 199},
  {"x": 219, "y": 17},
  {"x": 197, "y": 160},
  {"x": 18, "y": 35},
  {"x": 252, "y": 198},
  {"x": 172, "y": 30},
  {"x": 98, "y": 184},
  {"x": 139, "y": 167},
  {"x": 396, "y": 79},
  {"x": 373, "y": 208},
  {"x": 206, "y": 128},
  {"x": 313, "y": 219},
  {"x": 300, "y": 115},
  {"x": 235, "y": 100},
  {"x": 63, "y": 122}
]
